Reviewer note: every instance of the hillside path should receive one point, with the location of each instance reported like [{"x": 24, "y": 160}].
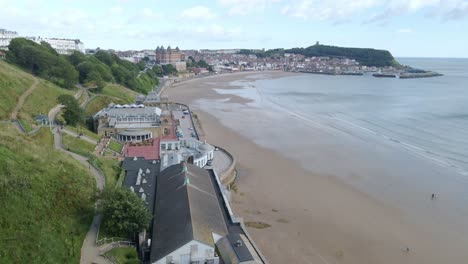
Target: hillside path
[
  {"x": 89, "y": 250},
  {"x": 22, "y": 98},
  {"x": 83, "y": 137}
]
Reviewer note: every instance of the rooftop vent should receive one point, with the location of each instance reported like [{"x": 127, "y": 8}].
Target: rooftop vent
[
  {"x": 135, "y": 158},
  {"x": 138, "y": 181},
  {"x": 144, "y": 181},
  {"x": 143, "y": 197},
  {"x": 239, "y": 243},
  {"x": 141, "y": 190},
  {"x": 148, "y": 171},
  {"x": 131, "y": 189}
]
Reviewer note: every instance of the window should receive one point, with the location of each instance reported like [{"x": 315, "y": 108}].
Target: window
[{"x": 194, "y": 249}]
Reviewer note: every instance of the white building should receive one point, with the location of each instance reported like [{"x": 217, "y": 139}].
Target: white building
[
  {"x": 5, "y": 37},
  {"x": 62, "y": 46},
  {"x": 188, "y": 218},
  {"x": 173, "y": 151}
]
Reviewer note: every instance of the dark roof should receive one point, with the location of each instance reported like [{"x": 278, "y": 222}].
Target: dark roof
[
  {"x": 41, "y": 116},
  {"x": 229, "y": 248},
  {"x": 187, "y": 208},
  {"x": 148, "y": 174}
]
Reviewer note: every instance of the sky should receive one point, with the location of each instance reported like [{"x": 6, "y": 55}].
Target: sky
[{"x": 407, "y": 28}]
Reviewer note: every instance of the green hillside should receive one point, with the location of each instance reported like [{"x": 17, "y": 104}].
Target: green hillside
[
  {"x": 118, "y": 91},
  {"x": 43, "y": 98},
  {"x": 368, "y": 57},
  {"x": 13, "y": 83},
  {"x": 100, "y": 102},
  {"x": 45, "y": 200}
]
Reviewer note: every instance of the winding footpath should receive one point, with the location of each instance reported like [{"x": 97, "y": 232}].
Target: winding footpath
[
  {"x": 22, "y": 98},
  {"x": 90, "y": 253}
]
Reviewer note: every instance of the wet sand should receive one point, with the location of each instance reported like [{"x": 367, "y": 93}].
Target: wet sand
[{"x": 314, "y": 217}]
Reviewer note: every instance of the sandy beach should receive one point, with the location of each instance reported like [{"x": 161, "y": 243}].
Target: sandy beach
[{"x": 314, "y": 217}]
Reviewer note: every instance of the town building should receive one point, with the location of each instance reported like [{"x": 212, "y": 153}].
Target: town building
[
  {"x": 61, "y": 45},
  {"x": 236, "y": 248},
  {"x": 42, "y": 119},
  {"x": 168, "y": 56},
  {"x": 5, "y": 37},
  {"x": 140, "y": 178},
  {"x": 188, "y": 218},
  {"x": 128, "y": 123},
  {"x": 180, "y": 66}
]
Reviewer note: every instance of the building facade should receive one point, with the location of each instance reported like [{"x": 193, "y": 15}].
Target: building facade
[
  {"x": 168, "y": 56},
  {"x": 128, "y": 123},
  {"x": 5, "y": 37},
  {"x": 62, "y": 46}
]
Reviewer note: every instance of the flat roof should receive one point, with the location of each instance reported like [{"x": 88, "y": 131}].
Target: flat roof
[{"x": 148, "y": 150}]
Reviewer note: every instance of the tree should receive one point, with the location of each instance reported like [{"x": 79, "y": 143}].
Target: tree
[
  {"x": 43, "y": 61},
  {"x": 72, "y": 111},
  {"x": 168, "y": 69},
  {"x": 124, "y": 213}
]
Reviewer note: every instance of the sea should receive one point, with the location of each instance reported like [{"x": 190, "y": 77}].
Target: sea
[{"x": 397, "y": 140}]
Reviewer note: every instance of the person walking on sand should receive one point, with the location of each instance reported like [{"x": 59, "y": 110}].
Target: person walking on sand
[{"x": 433, "y": 196}]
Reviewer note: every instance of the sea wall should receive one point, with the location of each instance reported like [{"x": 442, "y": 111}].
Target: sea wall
[{"x": 228, "y": 176}]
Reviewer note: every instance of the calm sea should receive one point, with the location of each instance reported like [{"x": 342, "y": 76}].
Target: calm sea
[
  {"x": 426, "y": 115},
  {"x": 396, "y": 140}
]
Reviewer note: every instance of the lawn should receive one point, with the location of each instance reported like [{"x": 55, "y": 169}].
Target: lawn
[
  {"x": 115, "y": 146},
  {"x": 115, "y": 90},
  {"x": 83, "y": 129},
  {"x": 100, "y": 102},
  {"x": 26, "y": 125},
  {"x": 13, "y": 83},
  {"x": 44, "y": 137},
  {"x": 43, "y": 98},
  {"x": 46, "y": 201},
  {"x": 77, "y": 145},
  {"x": 110, "y": 168},
  {"x": 124, "y": 255}
]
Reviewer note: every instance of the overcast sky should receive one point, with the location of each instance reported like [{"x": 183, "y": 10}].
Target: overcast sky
[{"x": 410, "y": 28}]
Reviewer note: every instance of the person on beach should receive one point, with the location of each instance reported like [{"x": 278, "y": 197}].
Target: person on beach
[{"x": 433, "y": 196}]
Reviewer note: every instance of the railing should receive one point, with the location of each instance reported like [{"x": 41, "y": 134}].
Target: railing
[
  {"x": 115, "y": 244},
  {"x": 107, "y": 240}
]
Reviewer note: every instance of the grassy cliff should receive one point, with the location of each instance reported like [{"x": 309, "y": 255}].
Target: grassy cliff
[
  {"x": 13, "y": 83},
  {"x": 45, "y": 200}
]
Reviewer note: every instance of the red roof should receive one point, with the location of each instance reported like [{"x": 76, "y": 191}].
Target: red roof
[{"x": 149, "y": 151}]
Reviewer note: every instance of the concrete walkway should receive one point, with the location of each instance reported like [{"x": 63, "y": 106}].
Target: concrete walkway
[
  {"x": 89, "y": 251},
  {"x": 83, "y": 137},
  {"x": 22, "y": 98}
]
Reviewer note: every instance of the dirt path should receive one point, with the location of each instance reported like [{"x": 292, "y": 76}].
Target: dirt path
[
  {"x": 89, "y": 250},
  {"x": 22, "y": 98}
]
